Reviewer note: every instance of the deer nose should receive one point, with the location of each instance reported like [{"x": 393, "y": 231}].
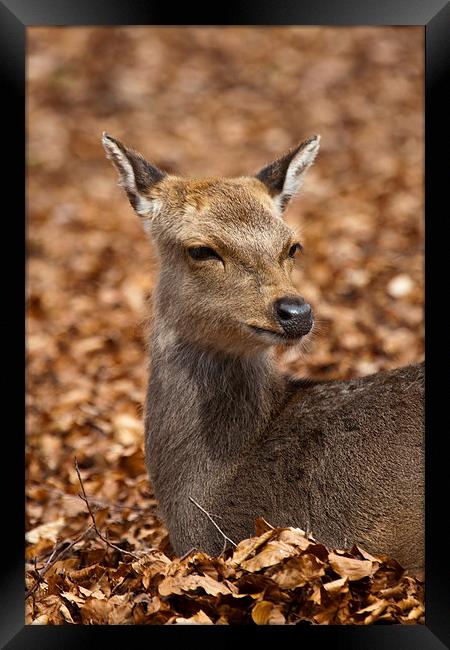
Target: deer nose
[{"x": 294, "y": 315}]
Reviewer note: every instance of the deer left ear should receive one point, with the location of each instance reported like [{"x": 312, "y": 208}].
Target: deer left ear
[
  {"x": 136, "y": 174},
  {"x": 284, "y": 177}
]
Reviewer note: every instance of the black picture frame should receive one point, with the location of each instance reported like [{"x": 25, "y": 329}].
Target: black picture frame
[{"x": 434, "y": 16}]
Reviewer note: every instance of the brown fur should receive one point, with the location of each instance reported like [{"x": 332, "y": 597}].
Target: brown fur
[{"x": 343, "y": 459}]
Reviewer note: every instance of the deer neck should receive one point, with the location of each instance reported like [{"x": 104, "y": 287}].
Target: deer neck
[{"x": 205, "y": 408}]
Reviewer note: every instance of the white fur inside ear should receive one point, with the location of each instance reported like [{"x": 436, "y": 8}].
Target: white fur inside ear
[
  {"x": 143, "y": 206},
  {"x": 296, "y": 171},
  {"x": 121, "y": 163}
]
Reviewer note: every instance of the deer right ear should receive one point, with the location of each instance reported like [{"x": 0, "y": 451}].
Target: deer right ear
[
  {"x": 284, "y": 177},
  {"x": 136, "y": 175}
]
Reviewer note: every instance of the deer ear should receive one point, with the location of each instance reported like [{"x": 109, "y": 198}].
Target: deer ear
[
  {"x": 136, "y": 174},
  {"x": 284, "y": 177}
]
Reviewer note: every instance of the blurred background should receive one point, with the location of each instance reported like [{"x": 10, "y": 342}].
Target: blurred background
[{"x": 204, "y": 101}]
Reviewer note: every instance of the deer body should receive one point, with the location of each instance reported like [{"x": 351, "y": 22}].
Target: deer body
[{"x": 342, "y": 459}]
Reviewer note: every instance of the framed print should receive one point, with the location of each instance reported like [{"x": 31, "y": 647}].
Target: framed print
[{"x": 224, "y": 382}]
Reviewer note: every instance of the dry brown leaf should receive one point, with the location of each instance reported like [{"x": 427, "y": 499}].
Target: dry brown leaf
[
  {"x": 295, "y": 537},
  {"x": 179, "y": 585},
  {"x": 368, "y": 556},
  {"x": 267, "y": 613},
  {"x": 154, "y": 560},
  {"x": 248, "y": 546},
  {"x": 335, "y": 586},
  {"x": 388, "y": 574},
  {"x": 332, "y": 614},
  {"x": 315, "y": 595},
  {"x": 416, "y": 613},
  {"x": 272, "y": 553},
  {"x": 376, "y": 605},
  {"x": 351, "y": 568},
  {"x": 375, "y": 612},
  {"x": 41, "y": 620},
  {"x": 88, "y": 575},
  {"x": 48, "y": 531},
  {"x": 66, "y": 613},
  {"x": 120, "y": 609},
  {"x": 73, "y": 598},
  {"x": 95, "y": 612},
  {"x": 200, "y": 618},
  {"x": 51, "y": 607},
  {"x": 262, "y": 526},
  {"x": 298, "y": 571}
]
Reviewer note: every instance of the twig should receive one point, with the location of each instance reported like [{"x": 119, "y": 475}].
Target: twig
[
  {"x": 99, "y": 502},
  {"x": 57, "y": 554},
  {"x": 102, "y": 537},
  {"x": 185, "y": 555},
  {"x": 226, "y": 539}
]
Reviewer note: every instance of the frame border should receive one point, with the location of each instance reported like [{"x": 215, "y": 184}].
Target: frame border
[{"x": 434, "y": 16}]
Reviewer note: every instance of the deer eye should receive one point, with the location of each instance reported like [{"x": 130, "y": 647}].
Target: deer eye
[
  {"x": 294, "y": 249},
  {"x": 200, "y": 253}
]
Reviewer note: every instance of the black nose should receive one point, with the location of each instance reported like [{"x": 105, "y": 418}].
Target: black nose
[{"x": 294, "y": 315}]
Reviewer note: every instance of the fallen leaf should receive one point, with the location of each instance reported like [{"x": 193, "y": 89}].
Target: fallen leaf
[
  {"x": 271, "y": 553},
  {"x": 200, "y": 618},
  {"x": 40, "y": 620},
  {"x": 73, "y": 598},
  {"x": 179, "y": 585},
  {"x": 267, "y": 613},
  {"x": 262, "y": 526},
  {"x": 297, "y": 571},
  {"x": 350, "y": 568},
  {"x": 335, "y": 586},
  {"x": 248, "y": 546},
  {"x": 48, "y": 531},
  {"x": 67, "y": 615},
  {"x": 296, "y": 537}
]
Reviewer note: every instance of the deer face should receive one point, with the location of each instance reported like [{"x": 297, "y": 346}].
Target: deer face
[{"x": 226, "y": 254}]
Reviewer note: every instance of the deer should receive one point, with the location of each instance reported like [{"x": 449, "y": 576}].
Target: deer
[{"x": 226, "y": 432}]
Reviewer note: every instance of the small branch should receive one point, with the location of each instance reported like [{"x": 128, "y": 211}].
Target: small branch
[
  {"x": 57, "y": 554},
  {"x": 88, "y": 505},
  {"x": 226, "y": 539},
  {"x": 185, "y": 555},
  {"x": 99, "y": 502}
]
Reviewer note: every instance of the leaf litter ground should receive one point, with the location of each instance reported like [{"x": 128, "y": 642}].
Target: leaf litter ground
[{"x": 195, "y": 100}]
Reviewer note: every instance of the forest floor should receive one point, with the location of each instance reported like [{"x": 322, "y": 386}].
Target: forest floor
[{"x": 197, "y": 101}]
